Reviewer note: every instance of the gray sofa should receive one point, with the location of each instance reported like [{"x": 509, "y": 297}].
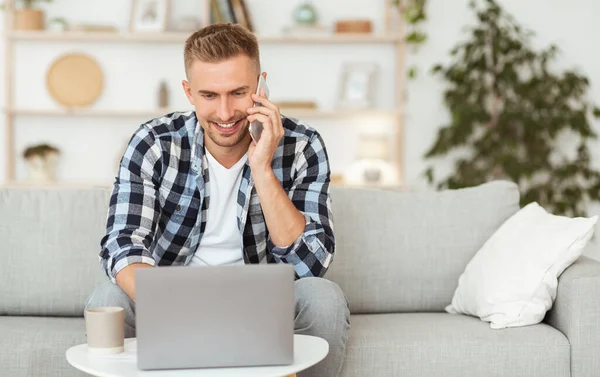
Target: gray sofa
[{"x": 398, "y": 259}]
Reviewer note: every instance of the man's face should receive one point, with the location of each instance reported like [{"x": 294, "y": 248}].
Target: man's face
[{"x": 221, "y": 94}]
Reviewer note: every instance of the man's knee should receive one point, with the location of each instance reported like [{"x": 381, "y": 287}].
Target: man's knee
[
  {"x": 321, "y": 296},
  {"x": 109, "y": 294},
  {"x": 322, "y": 310}
]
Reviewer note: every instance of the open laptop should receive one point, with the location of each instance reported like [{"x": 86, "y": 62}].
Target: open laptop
[{"x": 208, "y": 317}]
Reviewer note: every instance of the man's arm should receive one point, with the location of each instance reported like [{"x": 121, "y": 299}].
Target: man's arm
[
  {"x": 300, "y": 225},
  {"x": 284, "y": 221},
  {"x": 306, "y": 243},
  {"x": 133, "y": 212},
  {"x": 126, "y": 278}
]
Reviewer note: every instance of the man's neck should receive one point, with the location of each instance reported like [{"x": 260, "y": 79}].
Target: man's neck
[{"x": 227, "y": 156}]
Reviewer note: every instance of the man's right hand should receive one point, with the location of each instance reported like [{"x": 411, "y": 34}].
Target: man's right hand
[{"x": 126, "y": 278}]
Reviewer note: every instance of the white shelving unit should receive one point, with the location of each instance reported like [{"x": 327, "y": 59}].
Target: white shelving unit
[
  {"x": 18, "y": 36},
  {"x": 176, "y": 37},
  {"x": 297, "y": 113}
]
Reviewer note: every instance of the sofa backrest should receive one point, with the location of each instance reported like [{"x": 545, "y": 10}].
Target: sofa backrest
[
  {"x": 49, "y": 243},
  {"x": 404, "y": 251},
  {"x": 395, "y": 252}
]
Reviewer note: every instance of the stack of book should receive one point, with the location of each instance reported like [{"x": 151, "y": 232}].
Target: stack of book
[{"x": 230, "y": 11}]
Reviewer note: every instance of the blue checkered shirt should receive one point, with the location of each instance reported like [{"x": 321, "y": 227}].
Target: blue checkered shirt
[{"x": 159, "y": 202}]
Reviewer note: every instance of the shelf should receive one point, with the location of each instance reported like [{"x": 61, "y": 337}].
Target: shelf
[
  {"x": 179, "y": 37},
  {"x": 73, "y": 185},
  {"x": 90, "y": 112},
  {"x": 333, "y": 38},
  {"x": 341, "y": 113},
  {"x": 295, "y": 113},
  {"x": 56, "y": 185}
]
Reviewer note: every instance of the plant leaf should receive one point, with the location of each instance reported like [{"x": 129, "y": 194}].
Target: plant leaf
[
  {"x": 412, "y": 72},
  {"x": 416, "y": 37}
]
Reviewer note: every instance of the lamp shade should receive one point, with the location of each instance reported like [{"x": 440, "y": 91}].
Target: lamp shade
[{"x": 374, "y": 147}]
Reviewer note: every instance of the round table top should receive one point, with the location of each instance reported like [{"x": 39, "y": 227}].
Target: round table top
[{"x": 308, "y": 350}]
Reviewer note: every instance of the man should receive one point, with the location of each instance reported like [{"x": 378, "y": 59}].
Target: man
[{"x": 195, "y": 189}]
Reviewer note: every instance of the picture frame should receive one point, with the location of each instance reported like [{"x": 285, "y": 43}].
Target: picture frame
[
  {"x": 358, "y": 84},
  {"x": 149, "y": 16}
]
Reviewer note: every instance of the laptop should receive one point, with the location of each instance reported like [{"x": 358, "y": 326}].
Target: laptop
[{"x": 210, "y": 317}]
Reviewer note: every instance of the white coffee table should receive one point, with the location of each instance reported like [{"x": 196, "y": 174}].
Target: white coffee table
[{"x": 308, "y": 350}]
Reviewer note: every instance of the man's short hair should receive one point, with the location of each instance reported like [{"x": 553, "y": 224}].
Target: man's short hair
[{"x": 219, "y": 42}]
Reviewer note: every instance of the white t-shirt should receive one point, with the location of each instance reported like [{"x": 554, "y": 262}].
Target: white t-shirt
[{"x": 221, "y": 242}]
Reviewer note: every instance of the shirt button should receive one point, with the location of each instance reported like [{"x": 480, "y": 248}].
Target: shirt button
[{"x": 178, "y": 208}]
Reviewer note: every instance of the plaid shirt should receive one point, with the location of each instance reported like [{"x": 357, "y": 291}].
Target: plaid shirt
[{"x": 158, "y": 206}]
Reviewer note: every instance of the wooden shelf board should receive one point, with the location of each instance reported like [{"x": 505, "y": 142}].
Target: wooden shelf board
[
  {"x": 90, "y": 112},
  {"x": 106, "y": 185},
  {"x": 179, "y": 37},
  {"x": 24, "y": 184},
  {"x": 333, "y": 38},
  {"x": 291, "y": 112},
  {"x": 338, "y": 113}
]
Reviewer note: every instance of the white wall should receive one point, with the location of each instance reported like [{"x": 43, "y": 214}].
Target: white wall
[{"x": 133, "y": 72}]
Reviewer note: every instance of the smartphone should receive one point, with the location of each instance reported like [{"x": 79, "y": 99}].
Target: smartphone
[{"x": 256, "y": 127}]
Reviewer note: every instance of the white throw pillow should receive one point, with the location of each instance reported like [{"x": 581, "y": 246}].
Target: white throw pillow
[{"x": 513, "y": 278}]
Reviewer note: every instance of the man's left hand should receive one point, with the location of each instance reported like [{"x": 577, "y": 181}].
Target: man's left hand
[{"x": 261, "y": 154}]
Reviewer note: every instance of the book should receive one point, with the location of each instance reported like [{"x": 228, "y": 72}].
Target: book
[{"x": 240, "y": 10}]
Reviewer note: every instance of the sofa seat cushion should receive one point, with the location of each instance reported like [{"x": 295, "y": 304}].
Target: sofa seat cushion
[
  {"x": 441, "y": 344},
  {"x": 36, "y": 346}
]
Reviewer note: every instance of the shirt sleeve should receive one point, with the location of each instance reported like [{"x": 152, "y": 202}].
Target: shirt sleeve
[
  {"x": 134, "y": 209},
  {"x": 313, "y": 251}
]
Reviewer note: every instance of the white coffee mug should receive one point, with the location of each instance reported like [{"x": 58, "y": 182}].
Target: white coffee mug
[{"x": 105, "y": 330}]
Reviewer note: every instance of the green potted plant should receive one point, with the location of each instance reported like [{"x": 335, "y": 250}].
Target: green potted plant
[
  {"x": 411, "y": 13},
  {"x": 27, "y": 16},
  {"x": 515, "y": 116}
]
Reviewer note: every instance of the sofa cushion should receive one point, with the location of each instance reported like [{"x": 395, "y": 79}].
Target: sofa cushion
[
  {"x": 512, "y": 280},
  {"x": 36, "y": 346},
  {"x": 440, "y": 344},
  {"x": 49, "y": 241},
  {"x": 404, "y": 251}
]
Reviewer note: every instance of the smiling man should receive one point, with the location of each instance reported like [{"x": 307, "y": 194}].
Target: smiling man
[{"x": 195, "y": 189}]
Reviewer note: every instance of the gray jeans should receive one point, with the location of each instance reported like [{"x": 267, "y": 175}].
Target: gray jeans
[{"x": 321, "y": 310}]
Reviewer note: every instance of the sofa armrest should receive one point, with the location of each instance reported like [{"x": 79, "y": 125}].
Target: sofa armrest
[{"x": 576, "y": 313}]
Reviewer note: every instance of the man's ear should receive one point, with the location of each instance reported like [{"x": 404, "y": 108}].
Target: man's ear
[{"x": 188, "y": 91}]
